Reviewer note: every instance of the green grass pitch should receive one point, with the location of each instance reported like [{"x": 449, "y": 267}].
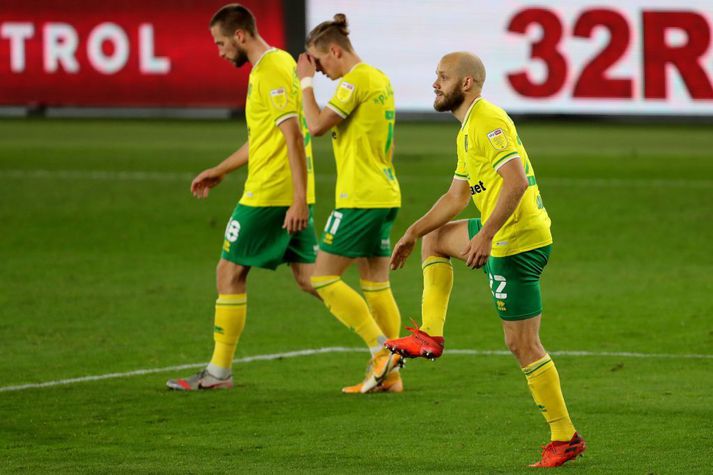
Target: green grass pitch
[{"x": 107, "y": 266}]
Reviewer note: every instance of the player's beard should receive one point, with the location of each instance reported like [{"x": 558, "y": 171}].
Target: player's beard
[
  {"x": 241, "y": 58},
  {"x": 449, "y": 100}
]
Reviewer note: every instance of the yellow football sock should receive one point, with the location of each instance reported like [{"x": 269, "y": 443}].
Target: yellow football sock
[
  {"x": 437, "y": 285},
  {"x": 349, "y": 308},
  {"x": 230, "y": 314},
  {"x": 544, "y": 382},
  {"x": 382, "y": 306}
]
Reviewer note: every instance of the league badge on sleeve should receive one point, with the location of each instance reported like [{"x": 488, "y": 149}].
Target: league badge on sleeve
[
  {"x": 278, "y": 98},
  {"x": 345, "y": 91},
  {"x": 498, "y": 139}
]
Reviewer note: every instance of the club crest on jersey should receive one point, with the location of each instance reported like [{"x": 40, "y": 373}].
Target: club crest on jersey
[
  {"x": 278, "y": 98},
  {"x": 498, "y": 139},
  {"x": 345, "y": 91}
]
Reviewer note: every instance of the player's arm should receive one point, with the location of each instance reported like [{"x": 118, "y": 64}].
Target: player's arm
[
  {"x": 210, "y": 178},
  {"x": 298, "y": 213},
  {"x": 514, "y": 186},
  {"x": 318, "y": 121},
  {"x": 445, "y": 209}
]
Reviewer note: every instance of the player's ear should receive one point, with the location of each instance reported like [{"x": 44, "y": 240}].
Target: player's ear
[
  {"x": 467, "y": 83},
  {"x": 241, "y": 36}
]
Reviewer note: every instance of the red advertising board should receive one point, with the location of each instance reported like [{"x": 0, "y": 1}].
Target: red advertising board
[{"x": 147, "y": 53}]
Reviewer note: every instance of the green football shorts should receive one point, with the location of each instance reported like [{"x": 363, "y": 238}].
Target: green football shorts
[
  {"x": 515, "y": 280},
  {"x": 359, "y": 232},
  {"x": 255, "y": 238}
]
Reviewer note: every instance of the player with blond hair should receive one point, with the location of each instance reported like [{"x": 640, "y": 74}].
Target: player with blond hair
[{"x": 361, "y": 117}]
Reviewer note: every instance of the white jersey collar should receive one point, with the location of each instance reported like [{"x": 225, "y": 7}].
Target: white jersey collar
[
  {"x": 467, "y": 113},
  {"x": 269, "y": 50}
]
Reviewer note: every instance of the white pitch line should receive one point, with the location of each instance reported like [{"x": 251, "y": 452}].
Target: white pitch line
[
  {"x": 104, "y": 175},
  {"x": 622, "y": 354},
  {"x": 336, "y": 349},
  {"x": 139, "y": 372}
]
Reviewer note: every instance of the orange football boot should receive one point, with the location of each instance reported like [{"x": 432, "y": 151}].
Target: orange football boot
[
  {"x": 380, "y": 366},
  {"x": 557, "y": 452},
  {"x": 418, "y": 344},
  {"x": 392, "y": 384}
]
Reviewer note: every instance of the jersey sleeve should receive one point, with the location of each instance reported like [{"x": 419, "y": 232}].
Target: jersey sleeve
[
  {"x": 280, "y": 94},
  {"x": 461, "y": 172},
  {"x": 498, "y": 142},
  {"x": 347, "y": 95}
]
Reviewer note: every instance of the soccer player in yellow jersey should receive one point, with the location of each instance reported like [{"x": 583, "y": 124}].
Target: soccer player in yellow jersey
[
  {"x": 272, "y": 224},
  {"x": 511, "y": 241},
  {"x": 361, "y": 117}
]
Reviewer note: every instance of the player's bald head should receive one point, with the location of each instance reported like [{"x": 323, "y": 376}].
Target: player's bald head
[{"x": 464, "y": 64}]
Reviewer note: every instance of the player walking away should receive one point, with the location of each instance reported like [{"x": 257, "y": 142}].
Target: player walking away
[
  {"x": 511, "y": 241},
  {"x": 272, "y": 223},
  {"x": 361, "y": 118}
]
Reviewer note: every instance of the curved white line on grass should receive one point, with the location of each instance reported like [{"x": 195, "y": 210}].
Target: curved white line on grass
[
  {"x": 183, "y": 177},
  {"x": 139, "y": 372},
  {"x": 335, "y": 349},
  {"x": 623, "y": 354}
]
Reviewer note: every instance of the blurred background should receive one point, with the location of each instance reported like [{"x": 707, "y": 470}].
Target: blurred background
[{"x": 152, "y": 57}]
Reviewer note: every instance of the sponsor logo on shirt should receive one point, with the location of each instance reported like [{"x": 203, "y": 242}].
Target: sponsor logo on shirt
[
  {"x": 477, "y": 188},
  {"x": 498, "y": 139},
  {"x": 278, "y": 98},
  {"x": 345, "y": 91}
]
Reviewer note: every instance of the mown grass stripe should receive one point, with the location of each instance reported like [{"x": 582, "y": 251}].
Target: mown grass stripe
[{"x": 120, "y": 175}]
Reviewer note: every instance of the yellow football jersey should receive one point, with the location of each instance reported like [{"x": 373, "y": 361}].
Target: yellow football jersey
[
  {"x": 274, "y": 96},
  {"x": 364, "y": 141},
  {"x": 486, "y": 141}
]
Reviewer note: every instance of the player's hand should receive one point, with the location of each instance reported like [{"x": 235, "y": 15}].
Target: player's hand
[
  {"x": 402, "y": 250},
  {"x": 477, "y": 251},
  {"x": 306, "y": 66},
  {"x": 207, "y": 179},
  {"x": 296, "y": 218}
]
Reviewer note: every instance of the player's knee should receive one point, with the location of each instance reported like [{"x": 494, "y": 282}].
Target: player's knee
[
  {"x": 230, "y": 278},
  {"x": 305, "y": 284},
  {"x": 512, "y": 343},
  {"x": 522, "y": 348},
  {"x": 429, "y": 244}
]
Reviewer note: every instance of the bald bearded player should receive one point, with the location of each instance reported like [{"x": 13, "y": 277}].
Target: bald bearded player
[{"x": 511, "y": 242}]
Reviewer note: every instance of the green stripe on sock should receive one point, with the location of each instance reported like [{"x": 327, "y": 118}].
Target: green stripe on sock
[
  {"x": 447, "y": 262},
  {"x": 528, "y": 372},
  {"x": 374, "y": 290},
  {"x": 327, "y": 284}
]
